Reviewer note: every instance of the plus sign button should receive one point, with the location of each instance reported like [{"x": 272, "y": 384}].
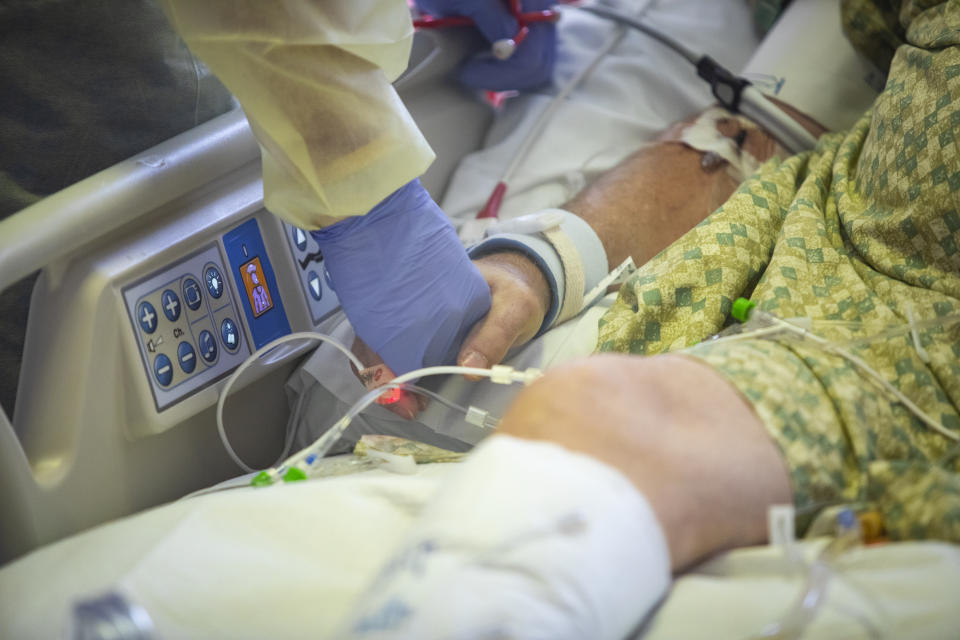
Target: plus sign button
[
  {"x": 171, "y": 305},
  {"x": 147, "y": 317}
]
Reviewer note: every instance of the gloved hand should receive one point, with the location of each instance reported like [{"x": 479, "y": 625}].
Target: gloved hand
[
  {"x": 532, "y": 63},
  {"x": 404, "y": 280}
]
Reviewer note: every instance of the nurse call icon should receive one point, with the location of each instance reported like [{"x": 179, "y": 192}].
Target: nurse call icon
[{"x": 255, "y": 285}]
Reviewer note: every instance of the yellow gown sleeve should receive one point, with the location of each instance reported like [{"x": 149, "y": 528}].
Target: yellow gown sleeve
[{"x": 313, "y": 77}]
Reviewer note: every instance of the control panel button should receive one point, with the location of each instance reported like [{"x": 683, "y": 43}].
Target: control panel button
[
  {"x": 171, "y": 305},
  {"x": 147, "y": 317},
  {"x": 214, "y": 281},
  {"x": 186, "y": 357},
  {"x": 207, "y": 345},
  {"x": 228, "y": 331},
  {"x": 299, "y": 239},
  {"x": 313, "y": 283},
  {"x": 163, "y": 369},
  {"x": 191, "y": 294}
]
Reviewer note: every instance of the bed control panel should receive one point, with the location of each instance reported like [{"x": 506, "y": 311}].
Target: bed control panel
[
  {"x": 187, "y": 326},
  {"x": 314, "y": 279}
]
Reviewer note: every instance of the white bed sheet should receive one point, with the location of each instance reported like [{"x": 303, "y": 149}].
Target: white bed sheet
[{"x": 288, "y": 561}]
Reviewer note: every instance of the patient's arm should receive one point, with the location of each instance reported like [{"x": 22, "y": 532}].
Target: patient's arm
[
  {"x": 637, "y": 209},
  {"x": 680, "y": 432}
]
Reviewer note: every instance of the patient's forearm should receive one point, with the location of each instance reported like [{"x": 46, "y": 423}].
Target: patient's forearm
[
  {"x": 651, "y": 199},
  {"x": 659, "y": 193}
]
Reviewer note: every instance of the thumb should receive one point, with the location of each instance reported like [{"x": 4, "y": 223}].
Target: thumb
[{"x": 490, "y": 339}]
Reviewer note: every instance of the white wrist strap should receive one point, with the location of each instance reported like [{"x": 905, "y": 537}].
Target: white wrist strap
[{"x": 565, "y": 248}]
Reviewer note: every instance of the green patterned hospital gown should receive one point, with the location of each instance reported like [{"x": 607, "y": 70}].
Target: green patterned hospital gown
[{"x": 852, "y": 235}]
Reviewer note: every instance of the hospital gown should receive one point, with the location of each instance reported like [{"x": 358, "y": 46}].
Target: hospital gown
[{"x": 860, "y": 229}]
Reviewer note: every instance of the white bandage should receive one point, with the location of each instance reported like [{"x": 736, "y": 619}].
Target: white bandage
[
  {"x": 703, "y": 135},
  {"x": 565, "y": 248},
  {"x": 527, "y": 540}
]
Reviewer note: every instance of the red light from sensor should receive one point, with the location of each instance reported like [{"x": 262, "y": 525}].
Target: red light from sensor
[{"x": 390, "y": 397}]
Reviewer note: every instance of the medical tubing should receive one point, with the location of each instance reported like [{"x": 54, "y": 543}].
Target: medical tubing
[
  {"x": 288, "y": 440},
  {"x": 793, "y": 624},
  {"x": 779, "y": 325},
  {"x": 772, "y": 118},
  {"x": 541, "y": 121},
  {"x": 436, "y": 396},
  {"x": 750, "y": 103},
  {"x": 605, "y": 12},
  {"x": 945, "y": 321},
  {"x": 866, "y": 368},
  {"x": 500, "y": 374},
  {"x": 471, "y": 415}
]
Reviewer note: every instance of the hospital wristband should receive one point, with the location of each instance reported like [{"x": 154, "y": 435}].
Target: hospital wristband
[{"x": 563, "y": 246}]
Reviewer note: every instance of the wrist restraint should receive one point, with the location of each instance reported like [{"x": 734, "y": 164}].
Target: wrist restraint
[{"x": 568, "y": 252}]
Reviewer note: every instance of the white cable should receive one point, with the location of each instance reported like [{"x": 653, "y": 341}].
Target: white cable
[
  {"x": 916, "y": 336},
  {"x": 752, "y": 104},
  {"x": 784, "y": 325},
  {"x": 500, "y": 374},
  {"x": 621, "y": 18},
  {"x": 775, "y": 120},
  {"x": 288, "y": 439},
  {"x": 545, "y": 115},
  {"x": 873, "y": 373}
]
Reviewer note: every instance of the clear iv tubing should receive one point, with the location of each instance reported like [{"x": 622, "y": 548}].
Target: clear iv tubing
[
  {"x": 288, "y": 440},
  {"x": 492, "y": 207},
  {"x": 501, "y": 374},
  {"x": 798, "y": 617},
  {"x": 777, "y": 325}
]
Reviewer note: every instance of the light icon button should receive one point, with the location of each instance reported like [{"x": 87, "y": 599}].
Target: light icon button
[{"x": 214, "y": 281}]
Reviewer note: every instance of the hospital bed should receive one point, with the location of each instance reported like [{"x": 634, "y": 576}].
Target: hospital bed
[{"x": 102, "y": 433}]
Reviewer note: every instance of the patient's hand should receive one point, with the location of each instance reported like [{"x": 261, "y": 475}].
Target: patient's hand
[
  {"x": 520, "y": 298},
  {"x": 519, "y": 301}
]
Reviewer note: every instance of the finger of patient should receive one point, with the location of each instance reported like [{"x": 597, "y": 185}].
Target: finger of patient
[
  {"x": 365, "y": 354},
  {"x": 514, "y": 317},
  {"x": 407, "y": 405},
  {"x": 487, "y": 343}
]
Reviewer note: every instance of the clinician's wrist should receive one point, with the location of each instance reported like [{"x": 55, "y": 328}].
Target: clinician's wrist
[{"x": 404, "y": 201}]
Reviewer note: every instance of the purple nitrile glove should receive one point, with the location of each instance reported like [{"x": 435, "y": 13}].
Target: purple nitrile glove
[
  {"x": 532, "y": 63},
  {"x": 404, "y": 280}
]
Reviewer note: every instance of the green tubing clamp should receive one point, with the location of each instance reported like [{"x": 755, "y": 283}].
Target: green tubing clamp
[
  {"x": 295, "y": 474},
  {"x": 262, "y": 479},
  {"x": 741, "y": 309}
]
